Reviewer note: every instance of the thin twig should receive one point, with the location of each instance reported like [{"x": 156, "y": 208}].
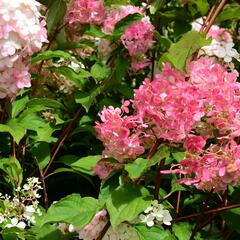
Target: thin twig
[
  {"x": 209, "y": 16},
  {"x": 158, "y": 180},
  {"x": 216, "y": 13},
  {"x": 178, "y": 201},
  {"x": 64, "y": 135},
  {"x": 212, "y": 211},
  {"x": 44, "y": 187},
  {"x": 103, "y": 232}
]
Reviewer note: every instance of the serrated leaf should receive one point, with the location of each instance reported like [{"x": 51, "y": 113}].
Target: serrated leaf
[
  {"x": 68, "y": 72},
  {"x": 86, "y": 99},
  {"x": 126, "y": 203},
  {"x": 230, "y": 12},
  {"x": 19, "y": 105},
  {"x": 55, "y": 15},
  {"x": 181, "y": 51},
  {"x": 182, "y": 230},
  {"x": 179, "y": 156},
  {"x": 83, "y": 165},
  {"x": 45, "y": 102},
  {"x": 50, "y": 54},
  {"x": 41, "y": 151},
  {"x": 136, "y": 168},
  {"x": 100, "y": 71},
  {"x": 48, "y": 232},
  {"x": 13, "y": 127},
  {"x": 161, "y": 153},
  {"x": 72, "y": 210},
  {"x": 153, "y": 233},
  {"x": 156, "y": 5}
]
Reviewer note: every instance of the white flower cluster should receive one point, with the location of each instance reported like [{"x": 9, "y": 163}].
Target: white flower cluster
[
  {"x": 223, "y": 50},
  {"x": 21, "y": 34},
  {"x": 123, "y": 232},
  {"x": 20, "y": 211},
  {"x": 156, "y": 214}
]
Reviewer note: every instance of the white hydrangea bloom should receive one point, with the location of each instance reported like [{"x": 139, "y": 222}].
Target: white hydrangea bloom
[
  {"x": 223, "y": 50},
  {"x": 123, "y": 232},
  {"x": 156, "y": 214}
]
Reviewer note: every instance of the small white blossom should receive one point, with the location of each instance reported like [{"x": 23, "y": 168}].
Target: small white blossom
[
  {"x": 15, "y": 223},
  {"x": 156, "y": 214}
]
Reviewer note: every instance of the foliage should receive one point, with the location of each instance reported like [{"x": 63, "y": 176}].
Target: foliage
[{"x": 119, "y": 119}]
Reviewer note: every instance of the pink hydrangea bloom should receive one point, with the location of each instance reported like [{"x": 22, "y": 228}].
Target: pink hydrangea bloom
[
  {"x": 219, "y": 91},
  {"x": 120, "y": 138},
  {"x": 85, "y": 12},
  {"x": 21, "y": 34},
  {"x": 216, "y": 169},
  {"x": 168, "y": 105},
  {"x": 138, "y": 37},
  {"x": 194, "y": 143},
  {"x": 13, "y": 79},
  {"x": 116, "y": 15}
]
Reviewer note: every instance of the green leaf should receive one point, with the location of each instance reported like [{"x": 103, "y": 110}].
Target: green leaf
[
  {"x": 55, "y": 15},
  {"x": 181, "y": 51},
  {"x": 45, "y": 102},
  {"x": 232, "y": 218},
  {"x": 202, "y": 6},
  {"x": 18, "y": 106},
  {"x": 71, "y": 74},
  {"x": 121, "y": 65},
  {"x": 48, "y": 232},
  {"x": 94, "y": 31},
  {"x": 83, "y": 165},
  {"x": 50, "y": 54},
  {"x": 41, "y": 151},
  {"x": 153, "y": 233},
  {"x": 72, "y": 210},
  {"x": 100, "y": 71},
  {"x": 162, "y": 153},
  {"x": 13, "y": 127},
  {"x": 13, "y": 171},
  {"x": 136, "y": 168},
  {"x": 13, "y": 234},
  {"x": 156, "y": 5},
  {"x": 86, "y": 99},
  {"x": 179, "y": 156},
  {"x": 121, "y": 26},
  {"x": 230, "y": 12},
  {"x": 126, "y": 203},
  {"x": 182, "y": 230}
]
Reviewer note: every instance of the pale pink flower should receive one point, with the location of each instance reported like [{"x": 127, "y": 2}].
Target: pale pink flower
[{"x": 85, "y": 12}]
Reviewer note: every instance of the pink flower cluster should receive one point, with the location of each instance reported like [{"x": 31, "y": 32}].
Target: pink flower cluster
[
  {"x": 181, "y": 108},
  {"x": 119, "y": 134},
  {"x": 217, "y": 168},
  {"x": 21, "y": 34},
  {"x": 85, "y": 12},
  {"x": 137, "y": 38}
]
